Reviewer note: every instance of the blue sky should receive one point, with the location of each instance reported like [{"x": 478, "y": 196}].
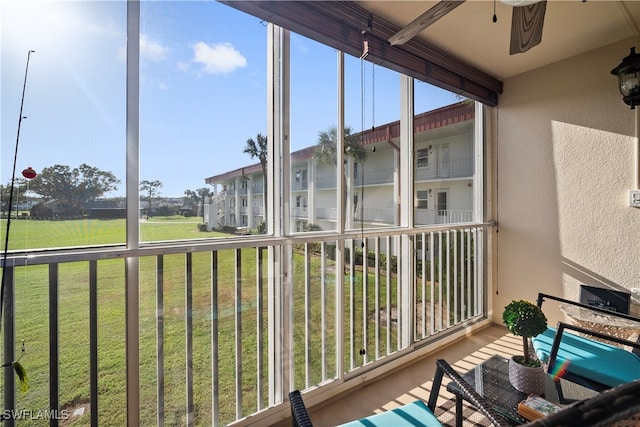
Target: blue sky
[{"x": 202, "y": 89}]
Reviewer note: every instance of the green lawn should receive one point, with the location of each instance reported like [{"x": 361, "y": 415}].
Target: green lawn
[
  {"x": 50, "y": 234},
  {"x": 32, "y": 283}
]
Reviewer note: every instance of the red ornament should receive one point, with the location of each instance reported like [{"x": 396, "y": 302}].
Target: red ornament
[{"x": 29, "y": 173}]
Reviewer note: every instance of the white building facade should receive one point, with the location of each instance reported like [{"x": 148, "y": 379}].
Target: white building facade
[{"x": 444, "y": 170}]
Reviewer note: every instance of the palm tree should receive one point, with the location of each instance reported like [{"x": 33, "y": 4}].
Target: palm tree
[
  {"x": 327, "y": 143},
  {"x": 199, "y": 197},
  {"x": 326, "y": 151},
  {"x": 258, "y": 148}
]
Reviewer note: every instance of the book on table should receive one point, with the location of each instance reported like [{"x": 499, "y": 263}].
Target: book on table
[{"x": 534, "y": 407}]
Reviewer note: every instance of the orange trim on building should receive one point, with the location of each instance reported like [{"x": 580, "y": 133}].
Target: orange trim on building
[{"x": 445, "y": 116}]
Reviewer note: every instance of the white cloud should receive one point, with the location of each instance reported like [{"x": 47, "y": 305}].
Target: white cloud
[
  {"x": 221, "y": 58},
  {"x": 151, "y": 50}
]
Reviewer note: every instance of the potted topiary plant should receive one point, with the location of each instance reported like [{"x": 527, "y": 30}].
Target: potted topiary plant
[{"x": 527, "y": 320}]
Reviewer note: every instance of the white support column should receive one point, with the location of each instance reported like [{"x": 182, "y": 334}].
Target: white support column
[
  {"x": 274, "y": 270},
  {"x": 340, "y": 182},
  {"x": 237, "y": 185},
  {"x": 250, "y": 218},
  {"x": 340, "y": 157},
  {"x": 285, "y": 153},
  {"x": 312, "y": 215},
  {"x": 277, "y": 214},
  {"x": 478, "y": 155},
  {"x": 406, "y": 257},
  {"x": 348, "y": 200},
  {"x": 133, "y": 214},
  {"x": 285, "y": 197}
]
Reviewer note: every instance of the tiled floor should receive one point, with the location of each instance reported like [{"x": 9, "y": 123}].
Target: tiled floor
[{"x": 414, "y": 381}]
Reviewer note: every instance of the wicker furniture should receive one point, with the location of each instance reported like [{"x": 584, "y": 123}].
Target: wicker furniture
[
  {"x": 581, "y": 359},
  {"x": 412, "y": 414},
  {"x": 616, "y": 407},
  {"x": 491, "y": 380}
]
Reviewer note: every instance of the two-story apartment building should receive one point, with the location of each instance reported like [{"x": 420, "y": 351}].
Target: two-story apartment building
[{"x": 444, "y": 170}]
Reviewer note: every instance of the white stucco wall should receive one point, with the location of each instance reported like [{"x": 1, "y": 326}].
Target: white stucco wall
[{"x": 565, "y": 164}]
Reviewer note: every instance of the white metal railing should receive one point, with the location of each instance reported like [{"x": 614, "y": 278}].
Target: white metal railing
[
  {"x": 456, "y": 168},
  {"x": 373, "y": 176},
  {"x": 299, "y": 185},
  {"x": 324, "y": 181},
  {"x": 385, "y": 216},
  {"x": 327, "y": 213},
  {"x": 204, "y": 316},
  {"x": 299, "y": 212},
  {"x": 437, "y": 216}
]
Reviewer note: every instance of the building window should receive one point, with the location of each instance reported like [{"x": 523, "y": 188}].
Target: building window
[
  {"x": 301, "y": 175},
  {"x": 423, "y": 199},
  {"x": 422, "y": 157}
]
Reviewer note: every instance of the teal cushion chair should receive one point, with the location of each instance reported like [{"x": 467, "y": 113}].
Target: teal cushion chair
[
  {"x": 584, "y": 360},
  {"x": 619, "y": 404},
  {"x": 581, "y": 357},
  {"x": 412, "y": 414}
]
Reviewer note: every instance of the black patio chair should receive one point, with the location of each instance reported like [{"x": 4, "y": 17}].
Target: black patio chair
[
  {"x": 589, "y": 361},
  {"x": 300, "y": 416}
]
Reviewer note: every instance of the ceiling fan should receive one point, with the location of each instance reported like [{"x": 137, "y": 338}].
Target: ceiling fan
[{"x": 526, "y": 23}]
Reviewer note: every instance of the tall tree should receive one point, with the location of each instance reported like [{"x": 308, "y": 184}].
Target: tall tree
[
  {"x": 258, "y": 148},
  {"x": 19, "y": 194},
  {"x": 151, "y": 188},
  {"x": 73, "y": 188},
  {"x": 199, "y": 196},
  {"x": 326, "y": 149}
]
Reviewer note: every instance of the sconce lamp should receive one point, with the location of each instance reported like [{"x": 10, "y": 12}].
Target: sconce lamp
[{"x": 628, "y": 73}]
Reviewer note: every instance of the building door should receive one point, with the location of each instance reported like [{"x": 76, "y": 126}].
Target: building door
[
  {"x": 442, "y": 202},
  {"x": 442, "y": 160}
]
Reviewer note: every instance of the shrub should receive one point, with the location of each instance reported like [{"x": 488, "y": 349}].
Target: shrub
[{"x": 525, "y": 319}]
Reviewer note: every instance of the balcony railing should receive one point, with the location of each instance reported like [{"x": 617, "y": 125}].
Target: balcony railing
[
  {"x": 219, "y": 337},
  {"x": 435, "y": 216},
  {"x": 299, "y": 212},
  {"x": 421, "y": 216},
  {"x": 375, "y": 176},
  {"x": 458, "y": 168},
  {"x": 385, "y": 216},
  {"x": 324, "y": 182},
  {"x": 299, "y": 185}
]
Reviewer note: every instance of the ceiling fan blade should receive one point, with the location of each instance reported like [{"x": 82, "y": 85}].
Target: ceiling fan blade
[
  {"x": 526, "y": 27},
  {"x": 423, "y": 21}
]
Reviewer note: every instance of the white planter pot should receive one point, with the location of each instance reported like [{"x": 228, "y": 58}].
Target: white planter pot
[{"x": 525, "y": 379}]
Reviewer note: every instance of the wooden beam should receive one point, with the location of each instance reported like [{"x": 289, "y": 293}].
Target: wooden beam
[{"x": 344, "y": 25}]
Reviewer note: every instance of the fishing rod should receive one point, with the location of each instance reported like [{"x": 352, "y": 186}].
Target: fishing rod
[{"x": 13, "y": 179}]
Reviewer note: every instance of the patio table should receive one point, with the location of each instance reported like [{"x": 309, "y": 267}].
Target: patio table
[{"x": 491, "y": 380}]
